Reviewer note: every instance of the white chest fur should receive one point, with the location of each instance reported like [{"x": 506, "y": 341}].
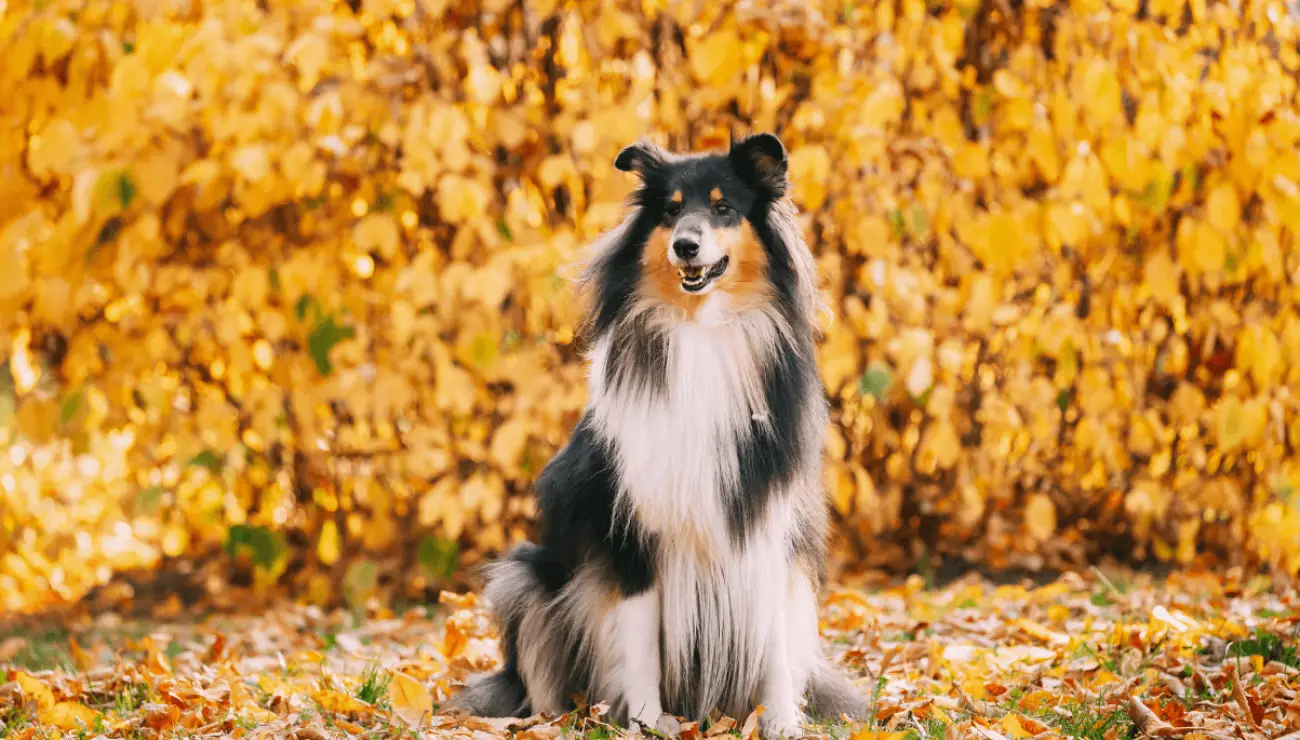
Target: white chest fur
[{"x": 676, "y": 438}]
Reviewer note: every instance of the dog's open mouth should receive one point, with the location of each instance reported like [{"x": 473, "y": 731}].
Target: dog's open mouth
[{"x": 697, "y": 277}]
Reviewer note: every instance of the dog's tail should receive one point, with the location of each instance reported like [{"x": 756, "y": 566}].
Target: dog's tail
[
  {"x": 499, "y": 694},
  {"x": 511, "y": 587},
  {"x": 832, "y": 695}
]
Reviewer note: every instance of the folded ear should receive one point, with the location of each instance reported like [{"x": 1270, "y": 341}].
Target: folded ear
[
  {"x": 761, "y": 160},
  {"x": 642, "y": 157}
]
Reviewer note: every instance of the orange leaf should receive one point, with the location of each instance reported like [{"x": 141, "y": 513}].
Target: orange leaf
[{"x": 82, "y": 658}]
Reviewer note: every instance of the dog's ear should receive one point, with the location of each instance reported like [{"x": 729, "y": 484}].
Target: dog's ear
[
  {"x": 761, "y": 160},
  {"x": 643, "y": 158}
]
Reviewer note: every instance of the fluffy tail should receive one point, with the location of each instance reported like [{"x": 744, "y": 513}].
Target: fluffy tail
[
  {"x": 499, "y": 694},
  {"x": 831, "y": 694},
  {"x": 511, "y": 590}
]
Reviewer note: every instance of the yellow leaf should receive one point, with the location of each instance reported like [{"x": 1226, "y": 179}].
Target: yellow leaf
[
  {"x": 1161, "y": 275},
  {"x": 1210, "y": 249},
  {"x": 411, "y": 700},
  {"x": 810, "y": 169},
  {"x": 1036, "y": 630},
  {"x": 251, "y": 162},
  {"x": 54, "y": 150},
  {"x": 1013, "y": 728},
  {"x": 36, "y": 691},
  {"x": 329, "y": 547},
  {"x": 508, "y": 443},
  {"x": 13, "y": 279},
  {"x": 336, "y": 701},
  {"x": 940, "y": 446},
  {"x": 378, "y": 232},
  {"x": 1036, "y": 700},
  {"x": 718, "y": 58},
  {"x": 69, "y": 715},
  {"x": 1040, "y": 517},
  {"x": 1103, "y": 677},
  {"x": 83, "y": 659},
  {"x": 1259, "y": 352},
  {"x": 1223, "y": 209},
  {"x": 1042, "y": 149}
]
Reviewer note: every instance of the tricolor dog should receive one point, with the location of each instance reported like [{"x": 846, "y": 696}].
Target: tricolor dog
[{"x": 683, "y": 526}]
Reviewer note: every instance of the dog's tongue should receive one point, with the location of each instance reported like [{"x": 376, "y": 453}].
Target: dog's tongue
[{"x": 692, "y": 272}]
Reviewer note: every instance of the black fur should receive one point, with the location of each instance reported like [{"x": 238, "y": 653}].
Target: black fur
[
  {"x": 769, "y": 457},
  {"x": 576, "y": 495},
  {"x": 638, "y": 356}
]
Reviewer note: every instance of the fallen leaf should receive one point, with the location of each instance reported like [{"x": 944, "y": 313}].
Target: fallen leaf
[
  {"x": 69, "y": 715},
  {"x": 750, "y": 728},
  {"x": 80, "y": 657},
  {"x": 1147, "y": 722},
  {"x": 410, "y": 699},
  {"x": 35, "y": 691},
  {"x": 336, "y": 701}
]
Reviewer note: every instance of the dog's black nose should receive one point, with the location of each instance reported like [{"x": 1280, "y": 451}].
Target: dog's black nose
[{"x": 685, "y": 248}]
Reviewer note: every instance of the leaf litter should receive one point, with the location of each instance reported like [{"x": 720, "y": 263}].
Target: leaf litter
[{"x": 1190, "y": 656}]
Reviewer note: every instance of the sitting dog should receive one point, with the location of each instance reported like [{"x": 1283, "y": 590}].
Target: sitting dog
[{"x": 683, "y": 527}]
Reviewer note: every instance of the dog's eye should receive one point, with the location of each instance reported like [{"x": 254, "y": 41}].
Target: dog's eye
[
  {"x": 722, "y": 209},
  {"x": 673, "y": 208}
]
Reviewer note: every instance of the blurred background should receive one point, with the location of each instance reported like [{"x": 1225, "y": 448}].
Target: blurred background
[{"x": 283, "y": 306}]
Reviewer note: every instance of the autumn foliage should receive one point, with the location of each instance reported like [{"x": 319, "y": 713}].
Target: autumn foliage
[{"x": 287, "y": 278}]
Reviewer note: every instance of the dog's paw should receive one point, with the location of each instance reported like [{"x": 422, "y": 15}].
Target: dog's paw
[
  {"x": 668, "y": 726},
  {"x": 781, "y": 726}
]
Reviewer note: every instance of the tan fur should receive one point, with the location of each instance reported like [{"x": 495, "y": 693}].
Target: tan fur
[
  {"x": 677, "y": 196},
  {"x": 745, "y": 280},
  {"x": 715, "y": 195}
]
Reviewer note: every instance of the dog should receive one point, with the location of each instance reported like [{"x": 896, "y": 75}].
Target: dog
[{"x": 683, "y": 526}]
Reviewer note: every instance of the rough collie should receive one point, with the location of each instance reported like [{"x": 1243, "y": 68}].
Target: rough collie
[{"x": 683, "y": 526}]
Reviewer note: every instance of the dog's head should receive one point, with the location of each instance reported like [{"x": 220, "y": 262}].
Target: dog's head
[{"x": 707, "y": 209}]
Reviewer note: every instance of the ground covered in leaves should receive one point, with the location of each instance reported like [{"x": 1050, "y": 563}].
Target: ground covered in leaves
[{"x": 1093, "y": 656}]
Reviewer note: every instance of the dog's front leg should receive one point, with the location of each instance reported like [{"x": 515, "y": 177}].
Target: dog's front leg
[
  {"x": 778, "y": 694},
  {"x": 793, "y": 634},
  {"x": 636, "y": 622}
]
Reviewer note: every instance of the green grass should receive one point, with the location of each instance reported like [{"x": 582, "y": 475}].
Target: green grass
[
  {"x": 374, "y": 686},
  {"x": 15, "y": 720},
  {"x": 1268, "y": 645},
  {"x": 1109, "y": 592},
  {"x": 933, "y": 727},
  {"x": 173, "y": 650},
  {"x": 42, "y": 651},
  {"x": 130, "y": 698},
  {"x": 1092, "y": 723}
]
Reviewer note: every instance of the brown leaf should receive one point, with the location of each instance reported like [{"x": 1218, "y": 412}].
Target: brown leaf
[
  {"x": 1147, "y": 722},
  {"x": 721, "y": 727},
  {"x": 1239, "y": 694},
  {"x": 540, "y": 732},
  {"x": 161, "y": 717}
]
